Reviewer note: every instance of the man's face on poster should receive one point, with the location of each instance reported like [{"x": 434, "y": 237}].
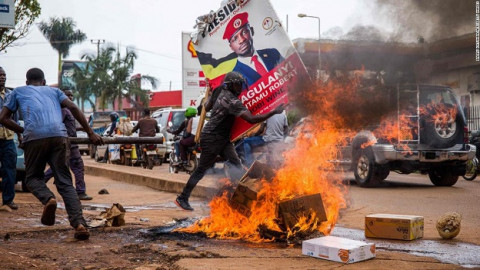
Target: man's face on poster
[{"x": 241, "y": 42}]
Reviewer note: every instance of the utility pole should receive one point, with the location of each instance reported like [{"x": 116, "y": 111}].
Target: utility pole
[{"x": 98, "y": 42}]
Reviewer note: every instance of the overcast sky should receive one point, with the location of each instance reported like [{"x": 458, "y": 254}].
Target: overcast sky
[{"x": 154, "y": 28}]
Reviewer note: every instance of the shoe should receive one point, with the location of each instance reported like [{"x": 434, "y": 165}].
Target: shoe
[
  {"x": 48, "y": 216},
  {"x": 183, "y": 203},
  {"x": 12, "y": 205},
  {"x": 84, "y": 197},
  {"x": 102, "y": 161},
  {"x": 81, "y": 233}
]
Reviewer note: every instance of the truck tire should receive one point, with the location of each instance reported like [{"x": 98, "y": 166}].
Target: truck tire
[
  {"x": 442, "y": 132},
  {"x": 443, "y": 177},
  {"x": 367, "y": 172}
]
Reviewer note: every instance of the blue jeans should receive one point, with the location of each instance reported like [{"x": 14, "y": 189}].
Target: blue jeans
[
  {"x": 8, "y": 170},
  {"x": 248, "y": 144}
]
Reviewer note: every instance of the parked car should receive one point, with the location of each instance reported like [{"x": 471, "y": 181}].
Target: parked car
[{"x": 163, "y": 117}]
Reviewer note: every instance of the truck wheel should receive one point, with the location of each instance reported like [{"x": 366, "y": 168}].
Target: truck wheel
[
  {"x": 443, "y": 178},
  {"x": 442, "y": 131},
  {"x": 470, "y": 170},
  {"x": 367, "y": 173}
]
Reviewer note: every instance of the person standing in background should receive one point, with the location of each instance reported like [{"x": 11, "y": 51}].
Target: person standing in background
[
  {"x": 8, "y": 151},
  {"x": 75, "y": 159}
]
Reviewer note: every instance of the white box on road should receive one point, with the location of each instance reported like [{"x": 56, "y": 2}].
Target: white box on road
[{"x": 338, "y": 249}]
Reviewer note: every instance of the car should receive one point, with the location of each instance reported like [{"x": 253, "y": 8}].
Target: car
[{"x": 165, "y": 116}]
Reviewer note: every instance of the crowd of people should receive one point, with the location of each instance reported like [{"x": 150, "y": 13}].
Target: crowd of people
[{"x": 44, "y": 139}]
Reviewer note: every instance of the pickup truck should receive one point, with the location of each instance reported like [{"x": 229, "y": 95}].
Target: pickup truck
[{"x": 432, "y": 138}]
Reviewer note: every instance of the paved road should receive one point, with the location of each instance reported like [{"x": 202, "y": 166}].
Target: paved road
[{"x": 147, "y": 208}]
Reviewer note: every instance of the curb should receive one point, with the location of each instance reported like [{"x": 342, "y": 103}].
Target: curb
[{"x": 158, "y": 183}]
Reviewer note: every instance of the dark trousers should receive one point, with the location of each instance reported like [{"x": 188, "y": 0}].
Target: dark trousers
[
  {"x": 55, "y": 152},
  {"x": 184, "y": 144},
  {"x": 76, "y": 165},
  {"x": 8, "y": 169},
  {"x": 212, "y": 146}
]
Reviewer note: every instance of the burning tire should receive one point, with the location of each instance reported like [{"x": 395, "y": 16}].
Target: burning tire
[
  {"x": 367, "y": 172},
  {"x": 443, "y": 177},
  {"x": 442, "y": 130}
]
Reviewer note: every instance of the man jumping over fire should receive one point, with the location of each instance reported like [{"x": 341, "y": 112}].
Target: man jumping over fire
[{"x": 215, "y": 137}]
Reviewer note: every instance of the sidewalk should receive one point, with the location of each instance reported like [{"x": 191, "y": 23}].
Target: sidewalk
[{"x": 159, "y": 178}]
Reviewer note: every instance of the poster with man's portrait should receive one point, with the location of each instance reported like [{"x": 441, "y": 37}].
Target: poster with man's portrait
[{"x": 247, "y": 37}]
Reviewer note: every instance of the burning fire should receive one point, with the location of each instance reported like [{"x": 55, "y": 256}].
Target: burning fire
[{"x": 307, "y": 170}]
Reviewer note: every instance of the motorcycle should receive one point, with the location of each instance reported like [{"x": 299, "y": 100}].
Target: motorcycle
[
  {"x": 126, "y": 154},
  {"x": 473, "y": 166},
  {"x": 176, "y": 165},
  {"x": 149, "y": 154}
]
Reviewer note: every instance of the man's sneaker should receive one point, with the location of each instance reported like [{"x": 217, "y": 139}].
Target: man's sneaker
[
  {"x": 48, "y": 216},
  {"x": 81, "y": 233},
  {"x": 84, "y": 197},
  {"x": 12, "y": 205},
  {"x": 183, "y": 203}
]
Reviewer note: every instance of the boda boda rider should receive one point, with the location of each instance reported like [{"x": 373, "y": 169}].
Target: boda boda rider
[
  {"x": 148, "y": 128},
  {"x": 188, "y": 139},
  {"x": 215, "y": 137},
  {"x": 113, "y": 119}
]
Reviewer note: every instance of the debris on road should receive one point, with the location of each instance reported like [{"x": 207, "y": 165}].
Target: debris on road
[
  {"x": 115, "y": 216},
  {"x": 402, "y": 227},
  {"x": 103, "y": 191},
  {"x": 448, "y": 225},
  {"x": 338, "y": 249}
]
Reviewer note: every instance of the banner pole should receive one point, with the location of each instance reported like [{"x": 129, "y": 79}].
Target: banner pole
[{"x": 202, "y": 115}]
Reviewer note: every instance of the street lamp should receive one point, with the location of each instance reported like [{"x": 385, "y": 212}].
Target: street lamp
[{"x": 302, "y": 15}]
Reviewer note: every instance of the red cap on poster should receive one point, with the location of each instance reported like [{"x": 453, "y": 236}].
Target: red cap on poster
[{"x": 234, "y": 24}]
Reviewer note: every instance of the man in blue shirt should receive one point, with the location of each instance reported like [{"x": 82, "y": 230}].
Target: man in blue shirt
[
  {"x": 45, "y": 141},
  {"x": 8, "y": 152}
]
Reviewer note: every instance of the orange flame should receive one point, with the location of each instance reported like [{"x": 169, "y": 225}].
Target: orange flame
[{"x": 307, "y": 170}]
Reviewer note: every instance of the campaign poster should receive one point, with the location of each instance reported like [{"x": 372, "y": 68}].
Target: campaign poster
[
  {"x": 248, "y": 37},
  {"x": 192, "y": 74}
]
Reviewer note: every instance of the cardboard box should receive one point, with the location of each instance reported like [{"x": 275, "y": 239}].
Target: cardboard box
[
  {"x": 338, "y": 249},
  {"x": 403, "y": 227},
  {"x": 290, "y": 211},
  {"x": 249, "y": 186}
]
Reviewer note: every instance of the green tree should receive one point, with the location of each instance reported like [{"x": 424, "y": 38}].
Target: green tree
[
  {"x": 111, "y": 78},
  {"x": 61, "y": 34},
  {"x": 26, "y": 11}
]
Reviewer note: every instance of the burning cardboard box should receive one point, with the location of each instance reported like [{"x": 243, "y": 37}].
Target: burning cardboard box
[
  {"x": 402, "y": 227},
  {"x": 249, "y": 186},
  {"x": 338, "y": 249},
  {"x": 289, "y": 212}
]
